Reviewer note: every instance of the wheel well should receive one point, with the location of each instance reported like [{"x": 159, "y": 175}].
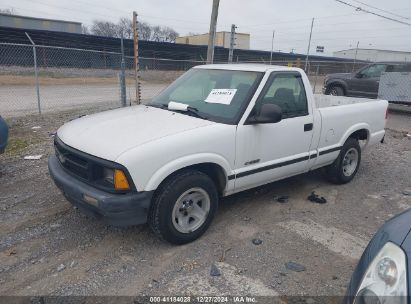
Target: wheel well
[
  {"x": 360, "y": 134},
  {"x": 336, "y": 84},
  {"x": 212, "y": 170}
]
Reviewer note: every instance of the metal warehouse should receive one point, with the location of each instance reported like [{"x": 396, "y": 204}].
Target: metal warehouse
[
  {"x": 25, "y": 22},
  {"x": 374, "y": 55}
]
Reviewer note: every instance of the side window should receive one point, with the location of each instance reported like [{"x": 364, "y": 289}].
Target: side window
[
  {"x": 287, "y": 91},
  {"x": 374, "y": 71},
  {"x": 399, "y": 68}
]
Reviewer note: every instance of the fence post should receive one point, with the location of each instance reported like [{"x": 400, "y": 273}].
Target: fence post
[
  {"x": 35, "y": 72},
  {"x": 122, "y": 76},
  {"x": 136, "y": 59}
]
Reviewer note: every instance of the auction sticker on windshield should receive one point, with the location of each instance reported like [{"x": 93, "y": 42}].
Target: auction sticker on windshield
[{"x": 222, "y": 96}]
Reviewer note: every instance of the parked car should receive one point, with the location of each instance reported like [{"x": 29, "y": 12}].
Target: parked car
[
  {"x": 217, "y": 130},
  {"x": 4, "y": 134},
  {"x": 382, "y": 274},
  {"x": 363, "y": 83}
]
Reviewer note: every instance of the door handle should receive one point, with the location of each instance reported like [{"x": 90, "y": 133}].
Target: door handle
[{"x": 308, "y": 127}]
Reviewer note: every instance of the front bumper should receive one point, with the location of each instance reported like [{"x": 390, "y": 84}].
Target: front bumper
[{"x": 114, "y": 209}]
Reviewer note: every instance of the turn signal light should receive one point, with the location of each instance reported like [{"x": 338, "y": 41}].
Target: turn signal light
[{"x": 120, "y": 180}]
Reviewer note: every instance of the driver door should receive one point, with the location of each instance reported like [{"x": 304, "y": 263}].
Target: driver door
[
  {"x": 367, "y": 81},
  {"x": 268, "y": 152}
]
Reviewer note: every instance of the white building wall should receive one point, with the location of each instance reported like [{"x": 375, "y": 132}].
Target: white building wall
[
  {"x": 39, "y": 24},
  {"x": 375, "y": 55},
  {"x": 242, "y": 40}
]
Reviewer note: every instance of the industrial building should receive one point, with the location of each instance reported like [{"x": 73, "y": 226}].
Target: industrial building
[
  {"x": 242, "y": 40},
  {"x": 25, "y": 22},
  {"x": 374, "y": 55}
]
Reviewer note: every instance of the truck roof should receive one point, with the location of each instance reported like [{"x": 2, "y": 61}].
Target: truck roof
[{"x": 251, "y": 67}]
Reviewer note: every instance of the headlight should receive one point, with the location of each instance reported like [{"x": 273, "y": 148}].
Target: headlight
[
  {"x": 117, "y": 178},
  {"x": 385, "y": 280},
  {"x": 108, "y": 175}
]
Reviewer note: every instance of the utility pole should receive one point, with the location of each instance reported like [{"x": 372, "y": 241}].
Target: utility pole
[
  {"x": 272, "y": 47},
  {"x": 309, "y": 45},
  {"x": 211, "y": 35},
  {"x": 355, "y": 57},
  {"x": 232, "y": 43},
  {"x": 136, "y": 59}
]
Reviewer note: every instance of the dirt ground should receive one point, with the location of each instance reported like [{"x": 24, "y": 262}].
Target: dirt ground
[{"x": 47, "y": 247}]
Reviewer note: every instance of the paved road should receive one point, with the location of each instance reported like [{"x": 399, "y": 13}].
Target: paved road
[
  {"x": 18, "y": 100},
  {"x": 48, "y": 247},
  {"x": 21, "y": 100}
]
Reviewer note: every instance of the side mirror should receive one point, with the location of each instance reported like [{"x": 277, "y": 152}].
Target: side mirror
[
  {"x": 269, "y": 113},
  {"x": 358, "y": 75}
]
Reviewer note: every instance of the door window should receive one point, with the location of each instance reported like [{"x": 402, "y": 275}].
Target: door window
[
  {"x": 287, "y": 91},
  {"x": 373, "y": 71}
]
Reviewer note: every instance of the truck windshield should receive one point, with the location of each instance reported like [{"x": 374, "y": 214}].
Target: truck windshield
[{"x": 219, "y": 95}]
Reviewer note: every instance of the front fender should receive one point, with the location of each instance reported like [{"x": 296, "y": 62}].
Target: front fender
[
  {"x": 189, "y": 160},
  {"x": 339, "y": 82}
]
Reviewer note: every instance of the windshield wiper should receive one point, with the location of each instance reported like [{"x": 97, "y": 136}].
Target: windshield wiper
[
  {"x": 157, "y": 105},
  {"x": 182, "y": 107},
  {"x": 196, "y": 113}
]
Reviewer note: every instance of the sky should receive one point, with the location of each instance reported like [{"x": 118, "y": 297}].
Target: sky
[{"x": 336, "y": 26}]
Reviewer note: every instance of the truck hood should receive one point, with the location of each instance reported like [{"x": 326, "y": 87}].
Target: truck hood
[{"x": 109, "y": 134}]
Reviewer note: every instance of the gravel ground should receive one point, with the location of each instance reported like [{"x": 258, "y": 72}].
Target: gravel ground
[{"x": 47, "y": 247}]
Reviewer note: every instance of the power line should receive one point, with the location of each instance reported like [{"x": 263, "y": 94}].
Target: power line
[
  {"x": 281, "y": 30},
  {"x": 288, "y": 33},
  {"x": 382, "y": 10},
  {"x": 335, "y": 38},
  {"x": 358, "y": 8}
]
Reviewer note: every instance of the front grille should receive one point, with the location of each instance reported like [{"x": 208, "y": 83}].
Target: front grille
[
  {"x": 73, "y": 162},
  {"x": 87, "y": 168}
]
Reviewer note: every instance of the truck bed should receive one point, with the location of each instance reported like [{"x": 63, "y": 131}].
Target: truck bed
[
  {"x": 340, "y": 115},
  {"x": 326, "y": 101}
]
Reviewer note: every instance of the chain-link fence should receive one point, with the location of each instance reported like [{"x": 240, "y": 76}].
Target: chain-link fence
[
  {"x": 43, "y": 78},
  {"x": 39, "y": 79},
  {"x": 395, "y": 87}
]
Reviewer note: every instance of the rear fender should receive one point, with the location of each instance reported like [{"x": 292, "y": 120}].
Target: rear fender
[{"x": 353, "y": 129}]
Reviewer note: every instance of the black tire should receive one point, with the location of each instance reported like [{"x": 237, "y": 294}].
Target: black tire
[
  {"x": 335, "y": 172},
  {"x": 165, "y": 198},
  {"x": 336, "y": 91}
]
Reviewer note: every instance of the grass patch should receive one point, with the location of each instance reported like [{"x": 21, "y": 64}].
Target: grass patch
[{"x": 16, "y": 145}]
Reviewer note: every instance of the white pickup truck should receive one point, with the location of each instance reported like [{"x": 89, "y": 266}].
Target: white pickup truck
[{"x": 215, "y": 131}]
